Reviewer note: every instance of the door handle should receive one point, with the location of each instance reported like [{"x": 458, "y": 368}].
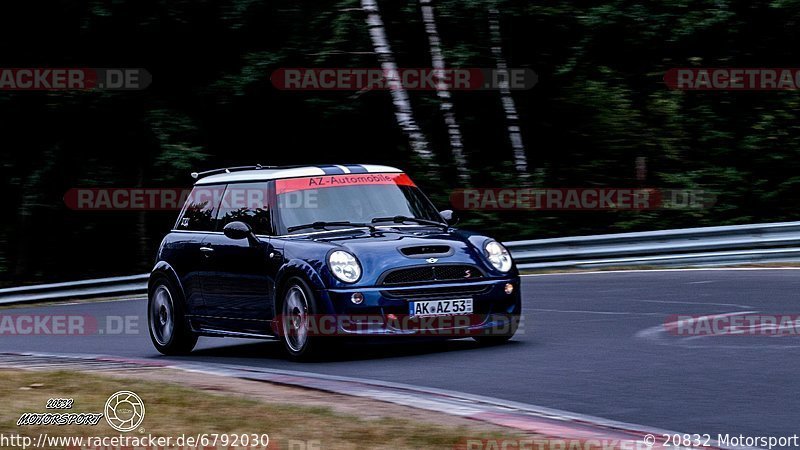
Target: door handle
[{"x": 207, "y": 250}]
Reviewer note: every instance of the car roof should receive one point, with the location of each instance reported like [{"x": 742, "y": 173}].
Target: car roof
[{"x": 275, "y": 173}]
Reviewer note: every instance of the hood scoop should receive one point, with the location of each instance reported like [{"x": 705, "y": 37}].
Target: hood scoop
[{"x": 425, "y": 251}]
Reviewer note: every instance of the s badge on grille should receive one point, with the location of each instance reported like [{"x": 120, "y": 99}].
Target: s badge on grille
[
  {"x": 467, "y": 273},
  {"x": 432, "y": 260}
]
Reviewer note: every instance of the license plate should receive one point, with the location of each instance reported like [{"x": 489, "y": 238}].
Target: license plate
[{"x": 440, "y": 307}]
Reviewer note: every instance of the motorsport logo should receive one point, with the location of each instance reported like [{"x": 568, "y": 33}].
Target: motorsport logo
[
  {"x": 59, "y": 418},
  {"x": 124, "y": 411}
]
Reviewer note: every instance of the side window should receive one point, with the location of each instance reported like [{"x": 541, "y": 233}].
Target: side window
[
  {"x": 248, "y": 203},
  {"x": 200, "y": 209}
]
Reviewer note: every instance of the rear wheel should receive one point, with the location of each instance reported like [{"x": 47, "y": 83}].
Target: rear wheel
[
  {"x": 298, "y": 309},
  {"x": 169, "y": 328}
]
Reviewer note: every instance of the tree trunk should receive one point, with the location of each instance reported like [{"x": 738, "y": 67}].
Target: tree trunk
[
  {"x": 402, "y": 105},
  {"x": 442, "y": 91},
  {"x": 509, "y": 108}
]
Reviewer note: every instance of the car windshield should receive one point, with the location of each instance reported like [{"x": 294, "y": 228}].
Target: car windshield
[{"x": 338, "y": 200}]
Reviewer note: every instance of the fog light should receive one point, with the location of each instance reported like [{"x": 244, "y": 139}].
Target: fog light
[
  {"x": 509, "y": 288},
  {"x": 357, "y": 298}
]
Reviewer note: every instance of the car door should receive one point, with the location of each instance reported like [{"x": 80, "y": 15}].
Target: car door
[
  {"x": 181, "y": 249},
  {"x": 239, "y": 283}
]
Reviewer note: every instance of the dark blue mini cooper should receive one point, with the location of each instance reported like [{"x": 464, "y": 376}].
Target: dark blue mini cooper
[{"x": 305, "y": 254}]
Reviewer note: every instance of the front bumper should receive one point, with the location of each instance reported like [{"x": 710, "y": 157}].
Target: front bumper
[{"x": 384, "y": 311}]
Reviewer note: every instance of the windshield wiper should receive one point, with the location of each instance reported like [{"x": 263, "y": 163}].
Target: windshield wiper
[
  {"x": 401, "y": 219},
  {"x": 322, "y": 225}
]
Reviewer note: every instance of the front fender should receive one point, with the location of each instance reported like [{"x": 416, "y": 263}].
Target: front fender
[
  {"x": 300, "y": 268},
  {"x": 164, "y": 268}
]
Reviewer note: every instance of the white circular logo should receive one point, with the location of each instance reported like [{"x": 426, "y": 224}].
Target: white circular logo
[{"x": 124, "y": 411}]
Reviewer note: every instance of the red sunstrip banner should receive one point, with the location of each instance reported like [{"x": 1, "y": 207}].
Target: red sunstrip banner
[{"x": 327, "y": 181}]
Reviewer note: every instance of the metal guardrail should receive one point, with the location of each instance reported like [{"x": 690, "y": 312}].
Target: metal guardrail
[
  {"x": 708, "y": 246},
  {"x": 129, "y": 285},
  {"x": 736, "y": 244}
]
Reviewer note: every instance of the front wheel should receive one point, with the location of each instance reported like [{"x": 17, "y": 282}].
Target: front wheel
[
  {"x": 298, "y": 309},
  {"x": 169, "y": 328}
]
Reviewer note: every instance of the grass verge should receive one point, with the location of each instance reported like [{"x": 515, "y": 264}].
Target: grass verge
[{"x": 172, "y": 410}]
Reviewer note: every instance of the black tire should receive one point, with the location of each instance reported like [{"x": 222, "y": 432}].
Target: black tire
[
  {"x": 298, "y": 302},
  {"x": 165, "y": 310},
  {"x": 497, "y": 337}
]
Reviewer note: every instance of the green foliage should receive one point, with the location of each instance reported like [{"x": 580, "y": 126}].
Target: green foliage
[{"x": 600, "y": 104}]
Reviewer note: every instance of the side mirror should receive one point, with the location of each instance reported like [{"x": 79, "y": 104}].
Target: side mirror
[
  {"x": 449, "y": 216},
  {"x": 239, "y": 230}
]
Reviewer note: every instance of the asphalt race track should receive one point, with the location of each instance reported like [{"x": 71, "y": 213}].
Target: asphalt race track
[{"x": 592, "y": 344}]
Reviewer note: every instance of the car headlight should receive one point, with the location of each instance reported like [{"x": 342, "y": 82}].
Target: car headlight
[
  {"x": 344, "y": 266},
  {"x": 498, "y": 256}
]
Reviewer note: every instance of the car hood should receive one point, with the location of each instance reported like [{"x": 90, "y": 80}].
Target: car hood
[{"x": 383, "y": 249}]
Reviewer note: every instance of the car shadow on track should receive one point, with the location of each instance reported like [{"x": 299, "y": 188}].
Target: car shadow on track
[{"x": 349, "y": 351}]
